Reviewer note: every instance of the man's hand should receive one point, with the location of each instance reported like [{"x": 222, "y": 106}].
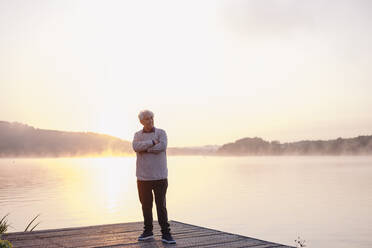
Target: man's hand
[{"x": 156, "y": 142}]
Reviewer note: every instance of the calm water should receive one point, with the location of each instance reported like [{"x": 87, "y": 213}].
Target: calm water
[{"x": 325, "y": 200}]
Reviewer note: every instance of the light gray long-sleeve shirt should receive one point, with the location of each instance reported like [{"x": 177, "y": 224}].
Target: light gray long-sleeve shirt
[{"x": 151, "y": 161}]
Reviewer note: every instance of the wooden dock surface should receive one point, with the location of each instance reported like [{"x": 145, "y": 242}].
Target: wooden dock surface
[{"x": 126, "y": 234}]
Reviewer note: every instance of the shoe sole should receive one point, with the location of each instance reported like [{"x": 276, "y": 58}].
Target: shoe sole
[
  {"x": 148, "y": 237},
  {"x": 168, "y": 242}
]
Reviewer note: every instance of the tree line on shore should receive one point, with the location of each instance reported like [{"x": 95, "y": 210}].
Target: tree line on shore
[
  {"x": 361, "y": 145},
  {"x": 21, "y": 140}
]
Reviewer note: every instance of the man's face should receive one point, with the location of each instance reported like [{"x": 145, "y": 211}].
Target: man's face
[{"x": 148, "y": 122}]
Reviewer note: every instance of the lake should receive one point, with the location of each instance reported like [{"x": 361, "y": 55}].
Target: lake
[{"x": 323, "y": 199}]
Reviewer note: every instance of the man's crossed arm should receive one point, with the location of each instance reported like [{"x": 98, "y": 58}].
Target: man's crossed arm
[{"x": 152, "y": 146}]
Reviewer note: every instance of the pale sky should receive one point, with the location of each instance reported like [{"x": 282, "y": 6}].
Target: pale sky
[{"x": 211, "y": 71}]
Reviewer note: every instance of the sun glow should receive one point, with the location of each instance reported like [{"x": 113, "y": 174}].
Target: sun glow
[{"x": 235, "y": 69}]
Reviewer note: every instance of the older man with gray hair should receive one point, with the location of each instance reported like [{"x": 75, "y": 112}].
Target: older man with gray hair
[{"x": 150, "y": 145}]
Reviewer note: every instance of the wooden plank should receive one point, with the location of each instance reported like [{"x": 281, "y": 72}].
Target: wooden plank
[
  {"x": 189, "y": 242},
  {"x": 243, "y": 243},
  {"x": 90, "y": 231},
  {"x": 250, "y": 238},
  {"x": 88, "y": 236},
  {"x": 94, "y": 230},
  {"x": 127, "y": 238},
  {"x": 126, "y": 235}
]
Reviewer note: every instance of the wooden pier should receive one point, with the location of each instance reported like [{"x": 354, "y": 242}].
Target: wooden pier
[{"x": 126, "y": 234}]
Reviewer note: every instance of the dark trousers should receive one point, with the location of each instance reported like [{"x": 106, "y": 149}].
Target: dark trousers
[{"x": 145, "y": 189}]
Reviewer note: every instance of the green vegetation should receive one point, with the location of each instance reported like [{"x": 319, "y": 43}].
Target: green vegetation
[
  {"x": 3, "y": 228},
  {"x": 31, "y": 223},
  {"x": 5, "y": 244},
  {"x": 4, "y": 225},
  {"x": 300, "y": 242}
]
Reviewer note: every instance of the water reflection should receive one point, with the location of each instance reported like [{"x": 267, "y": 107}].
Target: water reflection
[{"x": 326, "y": 200}]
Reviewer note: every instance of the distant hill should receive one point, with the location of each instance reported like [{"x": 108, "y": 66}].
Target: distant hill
[
  {"x": 21, "y": 140},
  {"x": 361, "y": 145}
]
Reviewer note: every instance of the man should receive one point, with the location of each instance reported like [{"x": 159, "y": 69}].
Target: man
[{"x": 150, "y": 145}]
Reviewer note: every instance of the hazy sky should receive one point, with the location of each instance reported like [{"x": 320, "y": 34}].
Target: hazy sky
[{"x": 212, "y": 71}]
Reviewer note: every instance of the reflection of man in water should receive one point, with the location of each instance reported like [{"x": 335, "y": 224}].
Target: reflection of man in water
[{"x": 150, "y": 145}]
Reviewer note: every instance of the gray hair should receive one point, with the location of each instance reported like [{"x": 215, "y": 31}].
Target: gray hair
[{"x": 144, "y": 113}]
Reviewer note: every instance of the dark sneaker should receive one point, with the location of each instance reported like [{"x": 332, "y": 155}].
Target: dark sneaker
[
  {"x": 167, "y": 238},
  {"x": 146, "y": 235}
]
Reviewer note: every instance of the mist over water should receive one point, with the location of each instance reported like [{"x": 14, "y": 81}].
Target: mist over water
[{"x": 324, "y": 200}]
